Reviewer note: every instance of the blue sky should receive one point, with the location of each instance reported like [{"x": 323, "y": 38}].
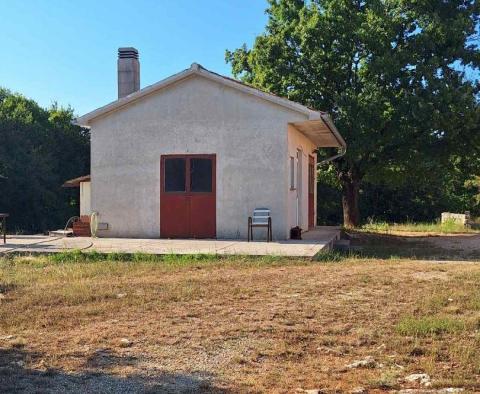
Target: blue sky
[{"x": 66, "y": 51}]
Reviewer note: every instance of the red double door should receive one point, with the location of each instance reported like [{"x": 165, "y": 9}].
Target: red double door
[{"x": 187, "y": 196}]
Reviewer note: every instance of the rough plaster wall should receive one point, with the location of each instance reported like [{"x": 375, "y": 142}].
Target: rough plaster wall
[
  {"x": 248, "y": 135},
  {"x": 297, "y": 140}
]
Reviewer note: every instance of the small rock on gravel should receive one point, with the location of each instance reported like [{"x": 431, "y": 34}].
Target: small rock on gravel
[
  {"x": 125, "y": 342},
  {"x": 421, "y": 378},
  {"x": 358, "y": 390},
  {"x": 367, "y": 362}
]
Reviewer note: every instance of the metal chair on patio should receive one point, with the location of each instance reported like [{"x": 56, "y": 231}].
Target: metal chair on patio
[{"x": 261, "y": 218}]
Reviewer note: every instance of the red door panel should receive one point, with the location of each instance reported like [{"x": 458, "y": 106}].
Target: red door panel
[
  {"x": 202, "y": 223},
  {"x": 311, "y": 192},
  {"x": 174, "y": 216},
  {"x": 187, "y": 196}
]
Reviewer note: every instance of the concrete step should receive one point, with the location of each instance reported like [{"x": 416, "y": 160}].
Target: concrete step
[
  {"x": 82, "y": 234},
  {"x": 61, "y": 233},
  {"x": 342, "y": 245}
]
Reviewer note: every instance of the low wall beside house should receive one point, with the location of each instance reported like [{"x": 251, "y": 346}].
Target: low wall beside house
[{"x": 460, "y": 218}]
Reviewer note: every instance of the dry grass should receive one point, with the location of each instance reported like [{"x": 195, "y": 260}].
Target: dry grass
[
  {"x": 236, "y": 324},
  {"x": 418, "y": 246}
]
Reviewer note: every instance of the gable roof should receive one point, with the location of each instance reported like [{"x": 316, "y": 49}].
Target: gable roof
[{"x": 195, "y": 69}]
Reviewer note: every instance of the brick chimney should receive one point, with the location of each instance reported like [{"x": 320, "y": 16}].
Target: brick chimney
[{"x": 128, "y": 71}]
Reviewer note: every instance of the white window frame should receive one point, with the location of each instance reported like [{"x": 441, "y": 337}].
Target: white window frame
[
  {"x": 293, "y": 167},
  {"x": 299, "y": 171}
]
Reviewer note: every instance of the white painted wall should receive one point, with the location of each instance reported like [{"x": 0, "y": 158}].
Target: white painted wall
[
  {"x": 85, "y": 206},
  {"x": 297, "y": 141},
  {"x": 197, "y": 115}
]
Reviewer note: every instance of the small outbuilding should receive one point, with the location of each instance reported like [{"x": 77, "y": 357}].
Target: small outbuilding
[
  {"x": 81, "y": 227},
  {"x": 193, "y": 155},
  {"x": 82, "y": 182}
]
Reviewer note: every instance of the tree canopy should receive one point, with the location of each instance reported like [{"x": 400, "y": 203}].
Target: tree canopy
[
  {"x": 40, "y": 149},
  {"x": 394, "y": 74}
]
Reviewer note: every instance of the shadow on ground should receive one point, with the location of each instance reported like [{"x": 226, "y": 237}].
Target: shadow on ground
[
  {"x": 421, "y": 247},
  {"x": 16, "y": 377}
]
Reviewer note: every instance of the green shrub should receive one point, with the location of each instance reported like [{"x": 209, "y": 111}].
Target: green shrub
[
  {"x": 71, "y": 256},
  {"x": 330, "y": 256}
]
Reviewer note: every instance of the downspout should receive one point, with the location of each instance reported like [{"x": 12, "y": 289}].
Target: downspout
[{"x": 343, "y": 151}]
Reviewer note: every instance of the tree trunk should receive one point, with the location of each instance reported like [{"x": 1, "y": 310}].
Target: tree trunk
[{"x": 351, "y": 212}]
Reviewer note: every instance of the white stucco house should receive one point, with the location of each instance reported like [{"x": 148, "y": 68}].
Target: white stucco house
[{"x": 192, "y": 155}]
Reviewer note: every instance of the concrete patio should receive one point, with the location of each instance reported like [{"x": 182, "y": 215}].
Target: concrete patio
[{"x": 314, "y": 241}]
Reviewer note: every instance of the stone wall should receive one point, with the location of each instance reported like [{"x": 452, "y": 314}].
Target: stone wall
[{"x": 461, "y": 218}]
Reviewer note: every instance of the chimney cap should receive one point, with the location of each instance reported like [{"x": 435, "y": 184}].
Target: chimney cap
[{"x": 127, "y": 53}]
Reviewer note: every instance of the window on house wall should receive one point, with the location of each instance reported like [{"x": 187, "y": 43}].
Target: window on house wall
[
  {"x": 299, "y": 170},
  {"x": 201, "y": 175},
  {"x": 292, "y": 173},
  {"x": 175, "y": 175}
]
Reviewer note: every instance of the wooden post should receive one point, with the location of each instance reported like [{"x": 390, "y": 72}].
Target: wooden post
[
  {"x": 4, "y": 216},
  {"x": 269, "y": 231}
]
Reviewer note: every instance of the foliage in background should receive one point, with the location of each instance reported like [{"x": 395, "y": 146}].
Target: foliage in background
[
  {"x": 401, "y": 202},
  {"x": 329, "y": 193},
  {"x": 40, "y": 149},
  {"x": 395, "y": 77}
]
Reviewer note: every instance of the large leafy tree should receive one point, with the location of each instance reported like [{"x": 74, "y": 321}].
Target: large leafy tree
[
  {"x": 40, "y": 149},
  {"x": 394, "y": 74}
]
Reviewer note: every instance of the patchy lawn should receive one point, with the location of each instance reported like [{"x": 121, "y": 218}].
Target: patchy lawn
[
  {"x": 207, "y": 324},
  {"x": 414, "y": 245}
]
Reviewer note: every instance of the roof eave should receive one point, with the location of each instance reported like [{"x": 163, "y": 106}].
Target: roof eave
[
  {"x": 258, "y": 93},
  {"x": 329, "y": 123},
  {"x": 75, "y": 182},
  {"x": 117, "y": 104}
]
